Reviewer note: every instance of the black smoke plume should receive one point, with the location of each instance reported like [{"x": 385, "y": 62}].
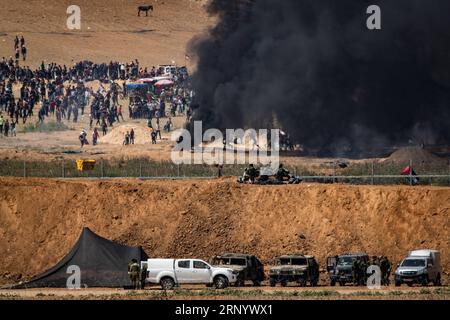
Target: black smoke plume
[{"x": 312, "y": 68}]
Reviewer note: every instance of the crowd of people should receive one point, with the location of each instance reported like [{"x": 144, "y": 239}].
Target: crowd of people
[{"x": 64, "y": 94}]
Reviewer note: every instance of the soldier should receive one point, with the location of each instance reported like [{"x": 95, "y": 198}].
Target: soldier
[
  {"x": 281, "y": 173},
  {"x": 375, "y": 261},
  {"x": 385, "y": 267},
  {"x": 364, "y": 266},
  {"x": 133, "y": 273},
  {"x": 143, "y": 276},
  {"x": 251, "y": 173}
]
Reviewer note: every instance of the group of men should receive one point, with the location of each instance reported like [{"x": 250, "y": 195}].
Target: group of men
[
  {"x": 360, "y": 267},
  {"x": 137, "y": 274},
  {"x": 251, "y": 174},
  {"x": 20, "y": 48},
  {"x": 129, "y": 138},
  {"x": 7, "y": 128}
]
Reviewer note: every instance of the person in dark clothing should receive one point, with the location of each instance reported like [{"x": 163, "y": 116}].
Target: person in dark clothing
[
  {"x": 6, "y": 127},
  {"x": 16, "y": 42},
  {"x": 24, "y": 53},
  {"x": 154, "y": 135},
  {"x": 132, "y": 136}
]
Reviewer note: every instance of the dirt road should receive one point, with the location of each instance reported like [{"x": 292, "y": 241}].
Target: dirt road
[{"x": 264, "y": 293}]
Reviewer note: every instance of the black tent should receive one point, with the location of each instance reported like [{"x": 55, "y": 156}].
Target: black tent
[{"x": 102, "y": 263}]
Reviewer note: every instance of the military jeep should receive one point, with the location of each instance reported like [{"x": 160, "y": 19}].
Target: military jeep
[
  {"x": 295, "y": 268},
  {"x": 348, "y": 268},
  {"x": 247, "y": 267}
]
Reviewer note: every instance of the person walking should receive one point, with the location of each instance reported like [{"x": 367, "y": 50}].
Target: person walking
[
  {"x": 16, "y": 42},
  {"x": 13, "y": 129},
  {"x": 154, "y": 134},
  {"x": 120, "y": 113},
  {"x": 132, "y": 136},
  {"x": 104, "y": 128},
  {"x": 17, "y": 55},
  {"x": 95, "y": 136},
  {"x": 24, "y": 53},
  {"x": 6, "y": 128}
]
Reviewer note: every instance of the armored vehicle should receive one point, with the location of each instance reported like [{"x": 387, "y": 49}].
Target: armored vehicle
[
  {"x": 247, "y": 267},
  {"x": 348, "y": 268},
  {"x": 296, "y": 268}
]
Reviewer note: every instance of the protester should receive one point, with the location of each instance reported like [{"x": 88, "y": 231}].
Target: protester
[{"x": 62, "y": 92}]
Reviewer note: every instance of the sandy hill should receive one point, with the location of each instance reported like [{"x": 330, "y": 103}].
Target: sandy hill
[
  {"x": 417, "y": 155},
  {"x": 117, "y": 134},
  {"x": 203, "y": 218},
  {"x": 110, "y": 30}
]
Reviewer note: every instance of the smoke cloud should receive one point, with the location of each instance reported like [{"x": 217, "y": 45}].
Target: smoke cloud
[{"x": 314, "y": 69}]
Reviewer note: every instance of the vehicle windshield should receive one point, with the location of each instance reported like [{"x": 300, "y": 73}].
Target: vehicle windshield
[
  {"x": 413, "y": 263},
  {"x": 238, "y": 262},
  {"x": 234, "y": 262},
  {"x": 345, "y": 261},
  {"x": 293, "y": 262},
  {"x": 299, "y": 262}
]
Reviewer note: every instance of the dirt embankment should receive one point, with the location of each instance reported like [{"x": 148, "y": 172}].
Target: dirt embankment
[{"x": 41, "y": 219}]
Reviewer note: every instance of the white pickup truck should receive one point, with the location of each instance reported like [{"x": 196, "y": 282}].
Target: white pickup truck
[
  {"x": 171, "y": 272},
  {"x": 421, "y": 267}
]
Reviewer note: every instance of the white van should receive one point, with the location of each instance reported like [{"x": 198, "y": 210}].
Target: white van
[
  {"x": 174, "y": 272},
  {"x": 420, "y": 267}
]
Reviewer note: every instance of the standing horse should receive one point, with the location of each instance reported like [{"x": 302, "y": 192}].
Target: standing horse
[{"x": 146, "y": 9}]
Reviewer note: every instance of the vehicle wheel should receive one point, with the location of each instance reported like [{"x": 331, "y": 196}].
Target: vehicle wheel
[
  {"x": 425, "y": 282},
  {"x": 314, "y": 283},
  {"x": 272, "y": 282},
  {"x": 333, "y": 283},
  {"x": 342, "y": 283},
  {"x": 220, "y": 282},
  {"x": 167, "y": 283},
  {"x": 283, "y": 283},
  {"x": 398, "y": 283},
  {"x": 409, "y": 284}
]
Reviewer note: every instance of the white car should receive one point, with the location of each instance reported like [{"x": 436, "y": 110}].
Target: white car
[{"x": 174, "y": 272}]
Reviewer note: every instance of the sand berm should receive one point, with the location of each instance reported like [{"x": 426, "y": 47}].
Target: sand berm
[{"x": 40, "y": 219}]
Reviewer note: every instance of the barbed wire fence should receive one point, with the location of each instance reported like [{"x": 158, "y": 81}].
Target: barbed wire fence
[{"x": 367, "y": 173}]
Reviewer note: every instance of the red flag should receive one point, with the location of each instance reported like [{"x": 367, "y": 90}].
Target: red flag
[{"x": 407, "y": 171}]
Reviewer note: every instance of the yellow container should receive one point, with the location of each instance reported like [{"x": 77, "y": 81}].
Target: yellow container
[{"x": 85, "y": 165}]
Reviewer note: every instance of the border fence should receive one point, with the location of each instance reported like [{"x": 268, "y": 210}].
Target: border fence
[{"x": 367, "y": 173}]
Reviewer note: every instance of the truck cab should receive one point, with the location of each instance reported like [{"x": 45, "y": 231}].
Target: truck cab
[
  {"x": 420, "y": 267},
  {"x": 174, "y": 272}
]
